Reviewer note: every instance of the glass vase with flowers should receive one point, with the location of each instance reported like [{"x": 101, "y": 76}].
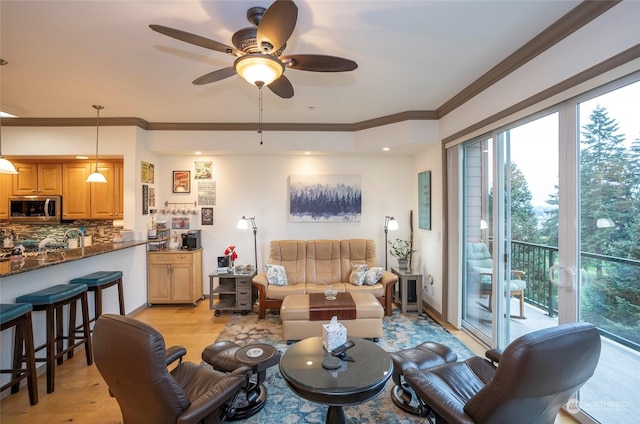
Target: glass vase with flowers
[{"x": 230, "y": 253}]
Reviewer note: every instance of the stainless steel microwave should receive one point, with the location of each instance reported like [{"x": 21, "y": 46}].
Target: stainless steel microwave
[{"x": 35, "y": 209}]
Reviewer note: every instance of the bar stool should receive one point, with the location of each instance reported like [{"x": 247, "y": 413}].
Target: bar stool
[
  {"x": 18, "y": 315},
  {"x": 98, "y": 281},
  {"x": 52, "y": 300}
]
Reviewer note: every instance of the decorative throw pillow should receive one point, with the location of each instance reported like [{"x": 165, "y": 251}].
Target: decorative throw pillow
[
  {"x": 357, "y": 274},
  {"x": 373, "y": 275},
  {"x": 276, "y": 275}
]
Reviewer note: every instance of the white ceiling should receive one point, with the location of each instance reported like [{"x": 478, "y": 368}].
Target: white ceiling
[{"x": 64, "y": 56}]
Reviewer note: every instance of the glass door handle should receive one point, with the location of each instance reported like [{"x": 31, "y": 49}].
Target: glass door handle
[{"x": 571, "y": 277}]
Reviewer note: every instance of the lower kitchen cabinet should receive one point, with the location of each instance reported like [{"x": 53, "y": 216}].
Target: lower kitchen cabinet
[{"x": 174, "y": 276}]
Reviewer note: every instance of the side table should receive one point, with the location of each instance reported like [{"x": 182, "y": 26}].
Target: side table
[
  {"x": 405, "y": 276},
  {"x": 235, "y": 292}
]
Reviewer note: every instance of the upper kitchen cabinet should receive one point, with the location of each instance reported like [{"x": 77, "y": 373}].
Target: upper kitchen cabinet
[
  {"x": 37, "y": 179},
  {"x": 103, "y": 194},
  {"x": 76, "y": 193},
  {"x": 82, "y": 200},
  {"x": 5, "y": 192}
]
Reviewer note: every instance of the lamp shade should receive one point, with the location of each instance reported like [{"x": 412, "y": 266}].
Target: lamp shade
[
  {"x": 7, "y": 167},
  {"x": 96, "y": 177},
  {"x": 255, "y": 68},
  {"x": 393, "y": 224},
  {"x": 242, "y": 224}
]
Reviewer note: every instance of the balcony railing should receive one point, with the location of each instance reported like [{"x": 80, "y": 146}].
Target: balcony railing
[{"x": 613, "y": 282}]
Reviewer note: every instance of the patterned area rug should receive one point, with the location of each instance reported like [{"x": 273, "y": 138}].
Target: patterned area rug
[{"x": 400, "y": 331}]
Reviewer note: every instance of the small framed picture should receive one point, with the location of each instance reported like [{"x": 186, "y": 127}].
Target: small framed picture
[
  {"x": 207, "y": 216},
  {"x": 181, "y": 181}
]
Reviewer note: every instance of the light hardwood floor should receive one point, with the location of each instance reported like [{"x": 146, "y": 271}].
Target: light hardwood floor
[{"x": 81, "y": 396}]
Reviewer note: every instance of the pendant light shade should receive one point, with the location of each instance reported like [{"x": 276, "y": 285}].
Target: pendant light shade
[
  {"x": 96, "y": 176},
  {"x": 6, "y": 167}
]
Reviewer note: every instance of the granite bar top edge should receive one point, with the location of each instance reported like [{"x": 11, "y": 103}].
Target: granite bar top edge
[{"x": 32, "y": 263}]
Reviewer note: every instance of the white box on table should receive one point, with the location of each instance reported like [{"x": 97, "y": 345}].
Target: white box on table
[{"x": 333, "y": 336}]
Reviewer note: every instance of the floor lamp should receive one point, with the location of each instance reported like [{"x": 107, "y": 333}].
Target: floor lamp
[
  {"x": 390, "y": 223},
  {"x": 243, "y": 224}
]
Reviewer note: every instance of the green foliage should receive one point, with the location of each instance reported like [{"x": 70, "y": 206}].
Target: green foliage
[{"x": 401, "y": 249}]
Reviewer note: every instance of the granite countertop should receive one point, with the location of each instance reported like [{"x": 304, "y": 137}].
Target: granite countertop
[{"x": 31, "y": 263}]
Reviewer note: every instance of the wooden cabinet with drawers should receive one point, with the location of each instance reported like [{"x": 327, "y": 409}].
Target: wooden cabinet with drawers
[{"x": 174, "y": 276}]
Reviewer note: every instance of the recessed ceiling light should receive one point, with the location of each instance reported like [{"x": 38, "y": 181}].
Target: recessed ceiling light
[
  {"x": 307, "y": 153},
  {"x": 82, "y": 157},
  {"x": 198, "y": 153},
  {"x": 311, "y": 108},
  {"x": 386, "y": 149}
]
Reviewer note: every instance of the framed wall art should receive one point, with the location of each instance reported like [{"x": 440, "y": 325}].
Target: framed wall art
[
  {"x": 181, "y": 181},
  {"x": 145, "y": 199},
  {"x": 424, "y": 200},
  {"x": 325, "y": 198},
  {"x": 147, "y": 172},
  {"x": 204, "y": 170},
  {"x": 206, "y": 216}
]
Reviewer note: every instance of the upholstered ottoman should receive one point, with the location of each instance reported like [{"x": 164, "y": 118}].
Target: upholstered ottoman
[
  {"x": 421, "y": 357},
  {"x": 297, "y": 323}
]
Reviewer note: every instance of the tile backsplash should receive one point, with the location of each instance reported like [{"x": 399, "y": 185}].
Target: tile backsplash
[{"x": 102, "y": 231}]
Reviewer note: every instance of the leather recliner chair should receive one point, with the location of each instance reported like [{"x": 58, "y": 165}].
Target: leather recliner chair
[
  {"x": 536, "y": 375},
  {"x": 132, "y": 359}
]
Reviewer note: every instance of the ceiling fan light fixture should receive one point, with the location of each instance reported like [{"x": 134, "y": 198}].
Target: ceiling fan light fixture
[{"x": 256, "y": 68}]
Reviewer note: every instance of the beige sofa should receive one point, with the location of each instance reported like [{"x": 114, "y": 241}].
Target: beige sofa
[{"x": 314, "y": 264}]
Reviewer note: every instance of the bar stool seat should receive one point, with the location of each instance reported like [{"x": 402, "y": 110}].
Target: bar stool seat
[
  {"x": 18, "y": 315},
  {"x": 52, "y": 300},
  {"x": 98, "y": 281}
]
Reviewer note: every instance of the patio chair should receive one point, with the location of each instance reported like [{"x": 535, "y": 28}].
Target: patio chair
[{"x": 480, "y": 271}]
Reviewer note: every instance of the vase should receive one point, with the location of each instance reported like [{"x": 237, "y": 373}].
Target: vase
[
  {"x": 231, "y": 267},
  {"x": 403, "y": 263}
]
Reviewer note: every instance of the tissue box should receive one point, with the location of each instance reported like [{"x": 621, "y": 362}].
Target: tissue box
[{"x": 333, "y": 337}]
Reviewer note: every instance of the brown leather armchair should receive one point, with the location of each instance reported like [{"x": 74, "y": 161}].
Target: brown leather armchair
[
  {"x": 536, "y": 375},
  {"x": 132, "y": 359}
]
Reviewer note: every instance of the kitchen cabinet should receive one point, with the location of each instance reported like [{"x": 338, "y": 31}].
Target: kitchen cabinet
[
  {"x": 76, "y": 193},
  {"x": 5, "y": 192},
  {"x": 82, "y": 200},
  {"x": 174, "y": 276},
  {"x": 37, "y": 179}
]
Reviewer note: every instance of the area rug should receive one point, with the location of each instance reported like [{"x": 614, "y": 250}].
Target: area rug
[{"x": 400, "y": 331}]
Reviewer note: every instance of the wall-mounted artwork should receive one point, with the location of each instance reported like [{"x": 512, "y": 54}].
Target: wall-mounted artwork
[
  {"x": 207, "y": 216},
  {"x": 206, "y": 193},
  {"x": 145, "y": 199},
  {"x": 181, "y": 181},
  {"x": 204, "y": 170},
  {"x": 325, "y": 198},
  {"x": 146, "y": 173},
  {"x": 424, "y": 200},
  {"x": 152, "y": 197},
  {"x": 180, "y": 222}
]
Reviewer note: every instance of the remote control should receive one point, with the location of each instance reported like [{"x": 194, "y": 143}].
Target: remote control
[{"x": 342, "y": 349}]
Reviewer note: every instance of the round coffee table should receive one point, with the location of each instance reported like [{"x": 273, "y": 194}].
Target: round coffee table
[{"x": 350, "y": 384}]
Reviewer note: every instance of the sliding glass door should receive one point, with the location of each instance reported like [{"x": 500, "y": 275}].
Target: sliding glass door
[{"x": 550, "y": 217}]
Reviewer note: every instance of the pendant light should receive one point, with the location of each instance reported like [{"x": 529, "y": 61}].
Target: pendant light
[
  {"x": 6, "y": 167},
  {"x": 96, "y": 176}
]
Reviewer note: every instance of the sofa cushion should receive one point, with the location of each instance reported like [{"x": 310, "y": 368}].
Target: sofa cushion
[
  {"x": 377, "y": 289},
  {"x": 358, "y": 272},
  {"x": 276, "y": 275},
  {"x": 373, "y": 275},
  {"x": 291, "y": 254},
  {"x": 356, "y": 251},
  {"x": 323, "y": 262},
  {"x": 280, "y": 292}
]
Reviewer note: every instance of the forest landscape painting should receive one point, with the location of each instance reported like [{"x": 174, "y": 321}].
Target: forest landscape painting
[{"x": 325, "y": 198}]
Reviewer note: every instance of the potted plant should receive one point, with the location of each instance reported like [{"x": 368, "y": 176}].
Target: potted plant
[{"x": 402, "y": 250}]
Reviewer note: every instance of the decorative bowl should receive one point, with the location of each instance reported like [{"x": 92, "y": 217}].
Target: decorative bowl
[{"x": 330, "y": 293}]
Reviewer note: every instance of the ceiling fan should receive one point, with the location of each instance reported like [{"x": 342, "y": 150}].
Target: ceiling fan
[{"x": 258, "y": 50}]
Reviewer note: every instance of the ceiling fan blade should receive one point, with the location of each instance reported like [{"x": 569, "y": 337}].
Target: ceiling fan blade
[
  {"x": 282, "y": 87},
  {"x": 318, "y": 63},
  {"x": 277, "y": 25},
  {"x": 197, "y": 40},
  {"x": 214, "y": 76}
]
